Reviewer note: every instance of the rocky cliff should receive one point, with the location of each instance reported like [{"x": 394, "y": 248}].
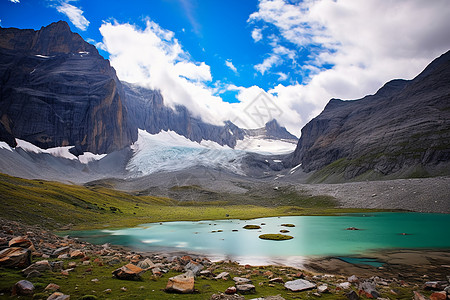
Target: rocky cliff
[
  {"x": 403, "y": 129},
  {"x": 56, "y": 90}
]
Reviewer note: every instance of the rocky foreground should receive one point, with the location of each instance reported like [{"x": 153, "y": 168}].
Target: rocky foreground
[{"x": 36, "y": 264}]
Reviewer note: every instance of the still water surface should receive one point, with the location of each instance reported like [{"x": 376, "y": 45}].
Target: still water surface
[{"x": 313, "y": 235}]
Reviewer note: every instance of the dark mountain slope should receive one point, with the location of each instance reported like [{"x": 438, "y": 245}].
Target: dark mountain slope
[
  {"x": 56, "y": 90},
  {"x": 403, "y": 129}
]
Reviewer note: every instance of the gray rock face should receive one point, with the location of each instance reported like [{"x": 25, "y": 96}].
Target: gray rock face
[
  {"x": 56, "y": 90},
  {"x": 272, "y": 130},
  {"x": 403, "y": 128},
  {"x": 149, "y": 113}
]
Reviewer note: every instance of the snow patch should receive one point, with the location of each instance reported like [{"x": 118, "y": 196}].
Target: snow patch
[
  {"x": 292, "y": 171},
  {"x": 42, "y": 56},
  {"x": 59, "y": 152},
  {"x": 4, "y": 145},
  {"x": 265, "y": 146}
]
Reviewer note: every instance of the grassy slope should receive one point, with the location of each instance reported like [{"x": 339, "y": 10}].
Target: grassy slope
[{"x": 53, "y": 205}]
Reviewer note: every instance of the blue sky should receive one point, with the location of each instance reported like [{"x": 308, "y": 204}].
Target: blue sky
[{"x": 217, "y": 56}]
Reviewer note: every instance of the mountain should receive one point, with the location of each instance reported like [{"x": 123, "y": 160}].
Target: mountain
[
  {"x": 56, "y": 90},
  {"x": 402, "y": 130}
]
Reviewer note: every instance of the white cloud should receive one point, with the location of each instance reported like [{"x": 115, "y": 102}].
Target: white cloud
[
  {"x": 257, "y": 34},
  {"x": 367, "y": 42},
  {"x": 74, "y": 14},
  {"x": 152, "y": 57},
  {"x": 282, "y": 76},
  {"x": 230, "y": 65},
  {"x": 15, "y": 1}
]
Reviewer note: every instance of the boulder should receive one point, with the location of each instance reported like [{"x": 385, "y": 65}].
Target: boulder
[
  {"x": 146, "y": 264},
  {"x": 15, "y": 257},
  {"x": 183, "y": 284},
  {"x": 52, "y": 287},
  {"x": 353, "y": 279},
  {"x": 128, "y": 272},
  {"x": 58, "y": 296},
  {"x": 20, "y": 241},
  {"x": 369, "y": 289},
  {"x": 33, "y": 274},
  {"x": 60, "y": 251},
  {"x": 299, "y": 285},
  {"x": 223, "y": 275},
  {"x": 323, "y": 289},
  {"x": 195, "y": 267},
  {"x": 245, "y": 288},
  {"x": 241, "y": 280},
  {"x": 40, "y": 266},
  {"x": 23, "y": 288},
  {"x": 231, "y": 290},
  {"x": 438, "y": 296},
  {"x": 344, "y": 285},
  {"x": 76, "y": 254}
]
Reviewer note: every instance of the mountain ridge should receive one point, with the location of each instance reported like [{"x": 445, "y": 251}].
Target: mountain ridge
[{"x": 403, "y": 128}]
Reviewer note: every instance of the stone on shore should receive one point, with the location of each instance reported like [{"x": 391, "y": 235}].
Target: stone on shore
[
  {"x": 23, "y": 288},
  {"x": 76, "y": 254},
  {"x": 128, "y": 272},
  {"x": 369, "y": 290},
  {"x": 323, "y": 289},
  {"x": 438, "y": 296},
  {"x": 40, "y": 266},
  {"x": 419, "y": 296},
  {"x": 183, "y": 284},
  {"x": 245, "y": 288},
  {"x": 299, "y": 285},
  {"x": 146, "y": 264},
  {"x": 223, "y": 275},
  {"x": 58, "y": 296},
  {"x": 231, "y": 290},
  {"x": 60, "y": 251},
  {"x": 15, "y": 257},
  {"x": 241, "y": 280},
  {"x": 20, "y": 241},
  {"x": 195, "y": 267},
  {"x": 352, "y": 295}
]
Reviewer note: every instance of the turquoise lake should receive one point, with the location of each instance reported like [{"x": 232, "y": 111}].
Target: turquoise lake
[{"x": 313, "y": 235}]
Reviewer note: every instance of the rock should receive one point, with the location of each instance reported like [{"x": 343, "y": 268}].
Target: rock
[
  {"x": 246, "y": 288},
  {"x": 23, "y": 288},
  {"x": 369, "y": 289},
  {"x": 435, "y": 285},
  {"x": 240, "y": 280},
  {"x": 438, "y": 296},
  {"x": 206, "y": 273},
  {"x": 194, "y": 267},
  {"x": 223, "y": 275},
  {"x": 299, "y": 285},
  {"x": 226, "y": 297},
  {"x": 58, "y": 296},
  {"x": 353, "y": 279},
  {"x": 277, "y": 280},
  {"x": 20, "y": 241},
  {"x": 352, "y": 228},
  {"x": 419, "y": 296},
  {"x": 277, "y": 297},
  {"x": 352, "y": 295},
  {"x": 323, "y": 289},
  {"x": 107, "y": 291},
  {"x": 344, "y": 285},
  {"x": 60, "y": 251},
  {"x": 156, "y": 271},
  {"x": 57, "y": 265},
  {"x": 40, "y": 266},
  {"x": 76, "y": 254},
  {"x": 146, "y": 264},
  {"x": 52, "y": 287},
  {"x": 231, "y": 290},
  {"x": 15, "y": 257},
  {"x": 183, "y": 284},
  {"x": 128, "y": 272},
  {"x": 33, "y": 274}
]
